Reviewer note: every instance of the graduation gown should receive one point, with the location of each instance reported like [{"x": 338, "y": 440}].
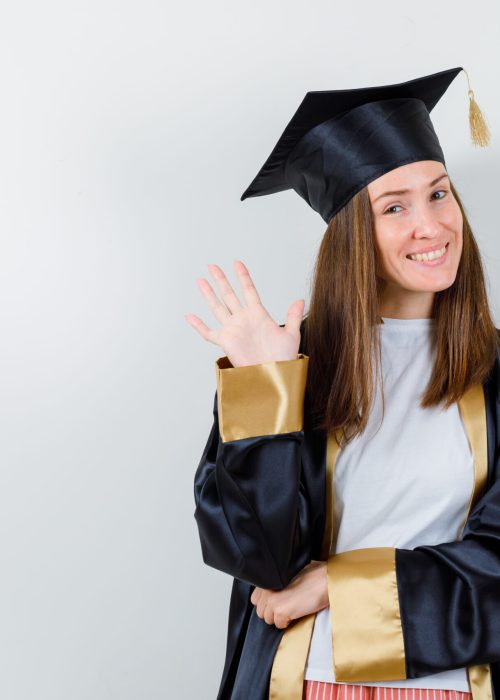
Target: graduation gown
[{"x": 264, "y": 508}]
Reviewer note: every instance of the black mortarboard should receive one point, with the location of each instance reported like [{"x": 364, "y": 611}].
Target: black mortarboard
[{"x": 340, "y": 140}]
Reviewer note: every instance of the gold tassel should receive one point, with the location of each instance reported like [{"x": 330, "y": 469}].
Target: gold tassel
[{"x": 479, "y": 131}]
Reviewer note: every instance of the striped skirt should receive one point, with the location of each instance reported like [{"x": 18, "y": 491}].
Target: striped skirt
[{"x": 319, "y": 690}]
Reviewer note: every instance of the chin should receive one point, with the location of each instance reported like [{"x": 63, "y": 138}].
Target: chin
[
  {"x": 431, "y": 286},
  {"x": 429, "y": 280}
]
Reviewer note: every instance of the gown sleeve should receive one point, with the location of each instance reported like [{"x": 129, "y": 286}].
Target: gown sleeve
[
  {"x": 406, "y": 613},
  {"x": 251, "y": 510}
]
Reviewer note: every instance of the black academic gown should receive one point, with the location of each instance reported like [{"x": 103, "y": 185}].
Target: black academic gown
[{"x": 261, "y": 512}]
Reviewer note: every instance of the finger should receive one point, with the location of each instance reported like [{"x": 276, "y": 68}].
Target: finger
[
  {"x": 268, "y": 609},
  {"x": 255, "y": 597},
  {"x": 294, "y": 316},
  {"x": 269, "y": 614},
  {"x": 219, "y": 310},
  {"x": 261, "y": 605},
  {"x": 281, "y": 621},
  {"x": 226, "y": 291},
  {"x": 249, "y": 291},
  {"x": 201, "y": 327}
]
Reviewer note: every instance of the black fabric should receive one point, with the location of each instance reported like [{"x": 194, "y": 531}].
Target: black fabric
[
  {"x": 260, "y": 512},
  {"x": 338, "y": 141},
  {"x": 253, "y": 512},
  {"x": 449, "y": 594},
  {"x": 363, "y": 144}
]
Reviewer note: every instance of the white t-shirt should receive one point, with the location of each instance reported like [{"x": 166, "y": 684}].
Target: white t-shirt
[{"x": 420, "y": 467}]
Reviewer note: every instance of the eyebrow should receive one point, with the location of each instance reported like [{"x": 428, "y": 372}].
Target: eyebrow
[{"x": 397, "y": 192}]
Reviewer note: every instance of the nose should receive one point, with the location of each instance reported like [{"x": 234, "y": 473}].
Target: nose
[{"x": 426, "y": 221}]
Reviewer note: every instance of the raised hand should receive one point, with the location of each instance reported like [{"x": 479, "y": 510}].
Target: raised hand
[{"x": 248, "y": 334}]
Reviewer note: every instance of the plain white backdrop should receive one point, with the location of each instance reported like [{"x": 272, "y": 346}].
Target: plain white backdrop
[{"x": 128, "y": 131}]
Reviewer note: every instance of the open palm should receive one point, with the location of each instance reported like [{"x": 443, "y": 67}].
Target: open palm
[{"x": 248, "y": 335}]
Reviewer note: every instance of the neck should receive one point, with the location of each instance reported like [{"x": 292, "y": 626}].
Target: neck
[{"x": 397, "y": 302}]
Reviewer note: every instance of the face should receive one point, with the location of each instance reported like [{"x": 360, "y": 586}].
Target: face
[{"x": 415, "y": 212}]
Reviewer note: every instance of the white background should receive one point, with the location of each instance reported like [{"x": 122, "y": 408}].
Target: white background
[{"x": 128, "y": 132}]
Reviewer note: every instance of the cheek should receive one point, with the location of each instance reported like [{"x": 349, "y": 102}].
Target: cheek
[
  {"x": 453, "y": 219},
  {"x": 454, "y": 224},
  {"x": 388, "y": 241},
  {"x": 388, "y": 252}
]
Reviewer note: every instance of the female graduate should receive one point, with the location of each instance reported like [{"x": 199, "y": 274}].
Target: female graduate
[{"x": 350, "y": 484}]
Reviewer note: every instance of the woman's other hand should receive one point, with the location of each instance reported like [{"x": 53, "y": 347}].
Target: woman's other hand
[
  {"x": 248, "y": 334},
  {"x": 306, "y": 593}
]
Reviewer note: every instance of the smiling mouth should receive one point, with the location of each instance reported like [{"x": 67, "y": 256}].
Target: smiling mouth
[{"x": 433, "y": 260}]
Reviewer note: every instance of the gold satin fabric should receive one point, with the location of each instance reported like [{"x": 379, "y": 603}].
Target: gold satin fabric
[
  {"x": 480, "y": 681},
  {"x": 287, "y": 673},
  {"x": 263, "y": 399},
  {"x": 287, "y": 676},
  {"x": 368, "y": 640},
  {"x": 473, "y": 411}
]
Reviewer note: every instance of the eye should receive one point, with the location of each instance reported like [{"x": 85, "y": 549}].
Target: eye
[
  {"x": 438, "y": 191},
  {"x": 388, "y": 210}
]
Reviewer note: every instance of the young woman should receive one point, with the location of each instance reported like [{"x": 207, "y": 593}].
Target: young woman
[{"x": 351, "y": 480}]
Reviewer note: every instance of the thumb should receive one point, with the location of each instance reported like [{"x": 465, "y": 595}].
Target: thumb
[{"x": 294, "y": 316}]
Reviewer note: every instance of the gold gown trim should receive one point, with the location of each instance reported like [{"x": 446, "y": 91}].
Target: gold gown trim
[
  {"x": 368, "y": 640},
  {"x": 287, "y": 675},
  {"x": 263, "y": 399},
  {"x": 473, "y": 411}
]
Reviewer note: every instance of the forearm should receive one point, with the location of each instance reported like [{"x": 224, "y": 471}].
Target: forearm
[
  {"x": 251, "y": 510},
  {"x": 401, "y": 613}
]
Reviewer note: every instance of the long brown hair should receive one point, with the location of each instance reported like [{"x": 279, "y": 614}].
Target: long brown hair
[{"x": 340, "y": 331}]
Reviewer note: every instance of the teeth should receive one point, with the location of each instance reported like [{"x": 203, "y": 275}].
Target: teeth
[{"x": 429, "y": 256}]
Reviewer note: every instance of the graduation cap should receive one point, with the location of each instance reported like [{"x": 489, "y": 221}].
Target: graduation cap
[{"x": 340, "y": 140}]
